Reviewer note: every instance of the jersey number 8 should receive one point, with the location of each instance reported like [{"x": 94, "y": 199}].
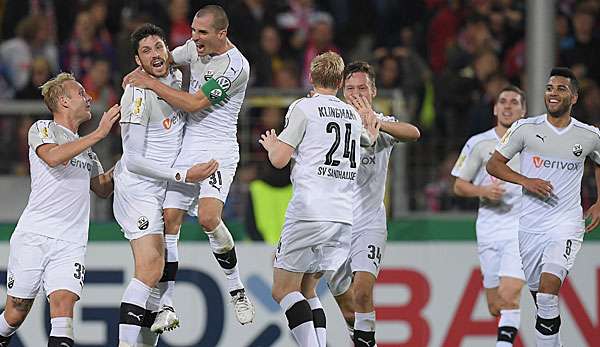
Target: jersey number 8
[{"x": 349, "y": 151}]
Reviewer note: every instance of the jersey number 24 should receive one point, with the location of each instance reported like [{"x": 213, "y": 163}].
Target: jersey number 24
[{"x": 349, "y": 151}]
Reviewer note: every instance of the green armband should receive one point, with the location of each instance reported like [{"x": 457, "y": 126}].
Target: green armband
[{"x": 214, "y": 91}]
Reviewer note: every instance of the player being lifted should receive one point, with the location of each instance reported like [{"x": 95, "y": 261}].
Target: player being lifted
[
  {"x": 47, "y": 248},
  {"x": 497, "y": 224},
  {"x": 219, "y": 75},
  {"x": 152, "y": 133},
  {"x": 322, "y": 135},
  {"x": 552, "y": 148},
  {"x": 352, "y": 285}
]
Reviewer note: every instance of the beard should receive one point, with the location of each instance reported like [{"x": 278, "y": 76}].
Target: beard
[{"x": 561, "y": 110}]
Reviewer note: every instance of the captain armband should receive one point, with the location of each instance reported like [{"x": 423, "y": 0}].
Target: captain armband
[{"x": 216, "y": 90}]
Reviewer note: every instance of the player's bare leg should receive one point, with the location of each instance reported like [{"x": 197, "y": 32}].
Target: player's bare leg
[
  {"x": 548, "y": 314},
  {"x": 308, "y": 289},
  {"x": 287, "y": 292},
  {"x": 223, "y": 248},
  {"x": 345, "y": 302},
  {"x": 148, "y": 253},
  {"x": 509, "y": 294},
  {"x": 364, "y": 318},
  {"x": 62, "y": 303},
  {"x": 166, "y": 319},
  {"x": 15, "y": 312}
]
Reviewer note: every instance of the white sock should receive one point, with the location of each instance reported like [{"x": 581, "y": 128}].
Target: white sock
[
  {"x": 222, "y": 245},
  {"x": 364, "y": 321},
  {"x": 133, "y": 310},
  {"x": 299, "y": 316},
  {"x": 5, "y": 329},
  {"x": 319, "y": 320},
  {"x": 62, "y": 327},
  {"x": 548, "y": 321},
  {"x": 508, "y": 327}
]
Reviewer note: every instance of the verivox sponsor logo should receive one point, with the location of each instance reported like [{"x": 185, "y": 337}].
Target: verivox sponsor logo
[{"x": 539, "y": 162}]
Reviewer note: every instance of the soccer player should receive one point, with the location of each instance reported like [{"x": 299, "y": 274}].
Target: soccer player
[
  {"x": 552, "y": 148},
  {"x": 322, "y": 135},
  {"x": 152, "y": 133},
  {"x": 498, "y": 216},
  {"x": 47, "y": 248},
  {"x": 352, "y": 285},
  {"x": 219, "y": 75}
]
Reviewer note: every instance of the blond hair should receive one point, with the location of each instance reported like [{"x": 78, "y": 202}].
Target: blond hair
[
  {"x": 327, "y": 70},
  {"x": 54, "y": 88}
]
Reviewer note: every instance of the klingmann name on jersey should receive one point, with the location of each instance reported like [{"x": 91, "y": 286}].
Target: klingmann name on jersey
[{"x": 334, "y": 112}]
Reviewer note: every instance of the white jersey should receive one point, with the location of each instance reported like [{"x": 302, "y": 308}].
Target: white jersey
[
  {"x": 59, "y": 203},
  {"x": 325, "y": 133},
  {"x": 558, "y": 156},
  {"x": 164, "y": 130},
  {"x": 223, "y": 79},
  {"x": 496, "y": 221},
  {"x": 369, "y": 192}
]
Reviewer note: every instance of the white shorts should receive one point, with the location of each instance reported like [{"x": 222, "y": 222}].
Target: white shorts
[
  {"x": 138, "y": 208},
  {"x": 184, "y": 196},
  {"x": 499, "y": 259},
  {"x": 366, "y": 255},
  {"x": 311, "y": 247},
  {"x": 547, "y": 250},
  {"x": 36, "y": 261}
]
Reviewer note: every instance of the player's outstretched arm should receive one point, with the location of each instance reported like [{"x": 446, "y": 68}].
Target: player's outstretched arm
[
  {"x": 280, "y": 152},
  {"x": 55, "y": 154},
  {"x": 467, "y": 189},
  {"x": 593, "y": 213},
  {"x": 401, "y": 131},
  {"x": 174, "y": 97},
  {"x": 497, "y": 167},
  {"x": 102, "y": 185}
]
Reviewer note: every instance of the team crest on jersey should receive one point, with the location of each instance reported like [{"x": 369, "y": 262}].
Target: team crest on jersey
[
  {"x": 11, "y": 280},
  {"x": 224, "y": 82},
  {"x": 143, "y": 223},
  {"x": 44, "y": 133},
  {"x": 577, "y": 150},
  {"x": 209, "y": 74}
]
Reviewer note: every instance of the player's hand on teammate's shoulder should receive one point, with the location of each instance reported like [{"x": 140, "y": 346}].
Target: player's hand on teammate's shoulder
[
  {"x": 268, "y": 139},
  {"x": 593, "y": 216},
  {"x": 200, "y": 172},
  {"x": 108, "y": 120},
  {"x": 538, "y": 187},
  {"x": 138, "y": 78}
]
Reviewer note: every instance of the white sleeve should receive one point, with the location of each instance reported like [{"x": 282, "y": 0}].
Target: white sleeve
[
  {"x": 185, "y": 54},
  {"x": 295, "y": 126},
  {"x": 39, "y": 134},
  {"x": 513, "y": 141},
  {"x": 97, "y": 168},
  {"x": 134, "y": 136}
]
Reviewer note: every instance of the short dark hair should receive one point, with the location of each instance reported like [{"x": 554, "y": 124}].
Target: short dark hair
[
  {"x": 220, "y": 20},
  {"x": 360, "y": 66},
  {"x": 143, "y": 31},
  {"x": 513, "y": 88},
  {"x": 567, "y": 73}
]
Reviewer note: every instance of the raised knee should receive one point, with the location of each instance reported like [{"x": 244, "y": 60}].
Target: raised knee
[
  {"x": 152, "y": 272},
  {"x": 209, "y": 222}
]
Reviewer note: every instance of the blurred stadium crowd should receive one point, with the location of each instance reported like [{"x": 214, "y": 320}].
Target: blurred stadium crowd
[{"x": 449, "y": 58}]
